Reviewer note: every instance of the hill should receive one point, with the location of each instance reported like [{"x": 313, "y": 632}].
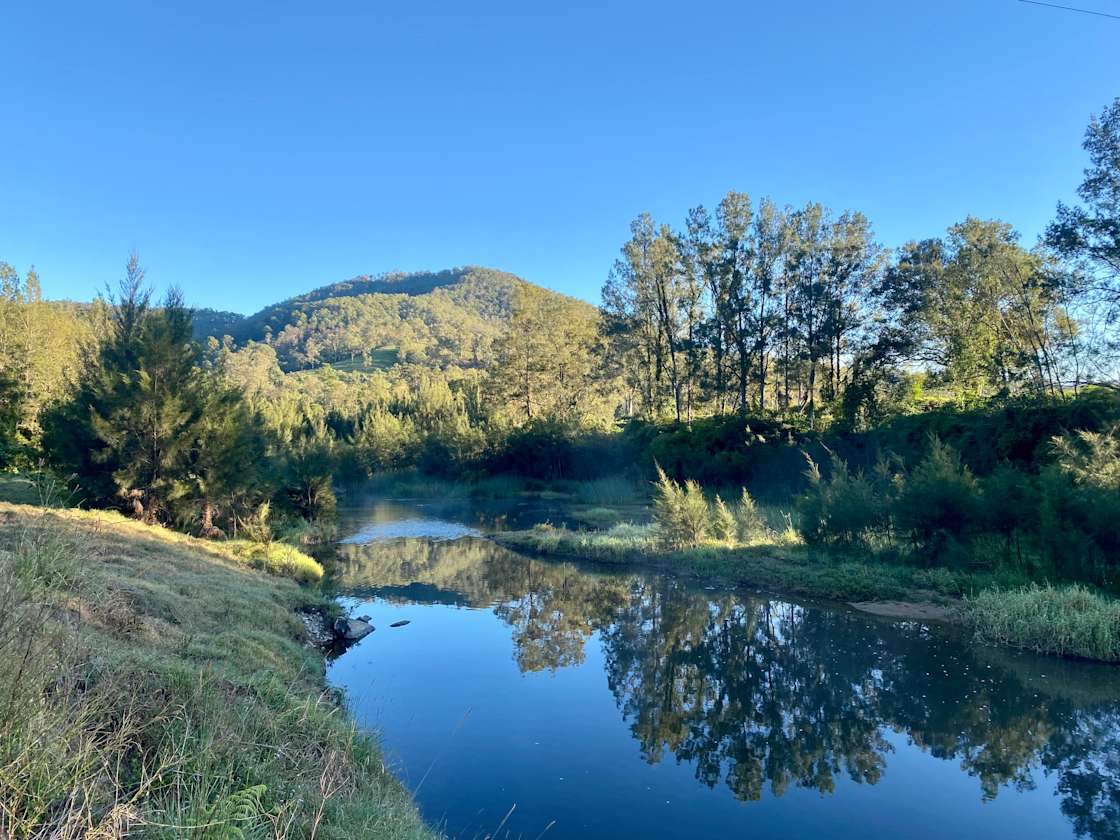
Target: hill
[{"x": 440, "y": 319}]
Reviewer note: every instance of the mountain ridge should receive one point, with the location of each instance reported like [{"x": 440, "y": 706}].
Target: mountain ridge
[{"x": 447, "y": 318}]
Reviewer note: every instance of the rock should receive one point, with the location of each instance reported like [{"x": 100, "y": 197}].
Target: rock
[
  {"x": 320, "y": 633},
  {"x": 352, "y": 629},
  {"x": 400, "y": 623}
]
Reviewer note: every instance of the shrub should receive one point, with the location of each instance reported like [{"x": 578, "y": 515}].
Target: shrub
[
  {"x": 1009, "y": 503},
  {"x": 681, "y": 512},
  {"x": 748, "y": 519},
  {"x": 1081, "y": 505},
  {"x": 938, "y": 502},
  {"x": 276, "y": 558},
  {"x": 725, "y": 527},
  {"x": 843, "y": 508}
]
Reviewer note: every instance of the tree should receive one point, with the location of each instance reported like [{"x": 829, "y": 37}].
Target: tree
[
  {"x": 546, "y": 359},
  {"x": 1092, "y": 231},
  {"x": 131, "y": 430},
  {"x": 631, "y": 318},
  {"x": 41, "y": 343},
  {"x": 811, "y": 227},
  {"x": 1090, "y": 234},
  {"x": 985, "y": 313}
]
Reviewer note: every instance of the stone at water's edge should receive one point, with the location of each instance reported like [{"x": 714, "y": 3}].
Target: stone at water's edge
[
  {"x": 400, "y": 623},
  {"x": 352, "y": 629}
]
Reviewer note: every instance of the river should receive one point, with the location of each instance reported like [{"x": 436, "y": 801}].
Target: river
[{"x": 530, "y": 698}]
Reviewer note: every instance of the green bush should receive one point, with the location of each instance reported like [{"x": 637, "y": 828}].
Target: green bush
[
  {"x": 748, "y": 519},
  {"x": 938, "y": 503},
  {"x": 1081, "y": 506},
  {"x": 843, "y": 508},
  {"x": 725, "y": 527},
  {"x": 1009, "y": 508},
  {"x": 681, "y": 512}
]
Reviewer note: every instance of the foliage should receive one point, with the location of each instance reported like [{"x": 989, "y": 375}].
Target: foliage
[
  {"x": 1089, "y": 234},
  {"x": 725, "y": 526},
  {"x": 681, "y": 512},
  {"x": 938, "y": 502},
  {"x": 842, "y": 508},
  {"x": 1081, "y": 505},
  {"x": 546, "y": 364}
]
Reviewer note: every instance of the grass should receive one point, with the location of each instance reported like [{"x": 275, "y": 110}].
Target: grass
[
  {"x": 18, "y": 489},
  {"x": 1068, "y": 621},
  {"x": 775, "y": 560},
  {"x": 278, "y": 558},
  {"x": 604, "y": 492},
  {"x": 152, "y": 686},
  {"x": 382, "y": 358}
]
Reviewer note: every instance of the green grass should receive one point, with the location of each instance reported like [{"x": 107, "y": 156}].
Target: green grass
[
  {"x": 18, "y": 489},
  {"x": 598, "y": 517},
  {"x": 411, "y": 484},
  {"x": 599, "y": 493},
  {"x": 604, "y": 492},
  {"x": 152, "y": 687},
  {"x": 382, "y": 358},
  {"x": 278, "y": 558},
  {"x": 1069, "y": 621},
  {"x": 776, "y": 562}
]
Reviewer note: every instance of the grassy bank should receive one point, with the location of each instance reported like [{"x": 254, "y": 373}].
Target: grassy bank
[
  {"x": 157, "y": 685},
  {"x": 1073, "y": 621},
  {"x": 783, "y": 566},
  {"x": 999, "y": 609}
]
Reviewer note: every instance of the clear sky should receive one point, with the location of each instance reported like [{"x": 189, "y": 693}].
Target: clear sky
[{"x": 251, "y": 151}]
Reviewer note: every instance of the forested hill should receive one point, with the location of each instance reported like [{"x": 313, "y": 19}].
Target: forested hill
[{"x": 445, "y": 318}]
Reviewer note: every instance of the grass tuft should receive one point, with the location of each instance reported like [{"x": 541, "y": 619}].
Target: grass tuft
[{"x": 1068, "y": 621}]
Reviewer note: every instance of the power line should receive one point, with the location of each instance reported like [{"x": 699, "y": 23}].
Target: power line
[{"x": 1071, "y": 9}]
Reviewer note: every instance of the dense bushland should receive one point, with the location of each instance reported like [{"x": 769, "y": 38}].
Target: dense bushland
[{"x": 1056, "y": 523}]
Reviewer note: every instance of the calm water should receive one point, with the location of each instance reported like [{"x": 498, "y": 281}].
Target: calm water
[{"x": 529, "y": 697}]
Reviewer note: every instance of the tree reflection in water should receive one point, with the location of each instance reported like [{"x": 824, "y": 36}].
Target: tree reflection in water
[{"x": 760, "y": 694}]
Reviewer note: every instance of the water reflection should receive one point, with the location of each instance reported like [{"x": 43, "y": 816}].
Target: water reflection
[{"x": 761, "y": 696}]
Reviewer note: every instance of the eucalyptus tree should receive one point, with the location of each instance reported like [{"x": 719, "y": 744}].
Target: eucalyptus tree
[
  {"x": 811, "y": 229},
  {"x": 734, "y": 217},
  {"x": 1089, "y": 235},
  {"x": 853, "y": 263},
  {"x": 768, "y": 256}
]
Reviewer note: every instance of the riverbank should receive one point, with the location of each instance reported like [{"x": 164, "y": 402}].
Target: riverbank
[
  {"x": 154, "y": 683},
  {"x": 787, "y": 568},
  {"x": 1004, "y": 610}
]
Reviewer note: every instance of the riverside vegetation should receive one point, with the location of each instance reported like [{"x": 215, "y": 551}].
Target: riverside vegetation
[
  {"x": 152, "y": 684},
  {"x": 941, "y": 418}
]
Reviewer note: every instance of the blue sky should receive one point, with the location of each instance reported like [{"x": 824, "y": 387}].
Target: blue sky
[{"x": 251, "y": 151}]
